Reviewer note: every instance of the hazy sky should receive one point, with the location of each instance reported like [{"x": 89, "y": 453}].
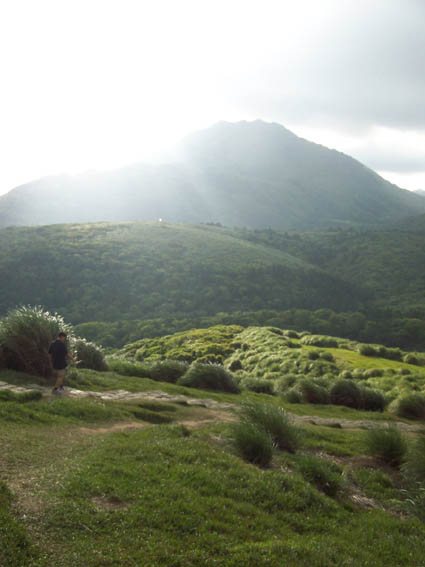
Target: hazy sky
[{"x": 96, "y": 84}]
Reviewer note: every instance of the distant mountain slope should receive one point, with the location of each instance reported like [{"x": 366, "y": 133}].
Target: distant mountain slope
[
  {"x": 250, "y": 174},
  {"x": 144, "y": 270}
]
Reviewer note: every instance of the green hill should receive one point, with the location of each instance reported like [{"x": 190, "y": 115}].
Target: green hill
[{"x": 139, "y": 270}]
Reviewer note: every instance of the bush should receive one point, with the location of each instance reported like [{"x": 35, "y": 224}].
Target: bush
[
  {"x": 346, "y": 393},
  {"x": 275, "y": 422},
  {"x": 323, "y": 474},
  {"x": 414, "y": 468},
  {"x": 209, "y": 377},
  {"x": 367, "y": 350},
  {"x": 327, "y": 356},
  {"x": 89, "y": 355},
  {"x": 128, "y": 368},
  {"x": 167, "y": 370},
  {"x": 412, "y": 406},
  {"x": 320, "y": 341},
  {"x": 373, "y": 372},
  {"x": 388, "y": 444},
  {"x": 25, "y": 335},
  {"x": 373, "y": 400},
  {"x": 313, "y": 393},
  {"x": 258, "y": 385},
  {"x": 253, "y": 443},
  {"x": 293, "y": 396}
]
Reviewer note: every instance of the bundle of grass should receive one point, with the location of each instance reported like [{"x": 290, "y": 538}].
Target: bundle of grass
[
  {"x": 258, "y": 385},
  {"x": 25, "y": 335},
  {"x": 128, "y": 368},
  {"x": 293, "y": 396},
  {"x": 373, "y": 400},
  {"x": 253, "y": 443},
  {"x": 412, "y": 406},
  {"x": 320, "y": 341},
  {"x": 20, "y": 397},
  {"x": 323, "y": 474},
  {"x": 387, "y": 444},
  {"x": 89, "y": 355},
  {"x": 346, "y": 393},
  {"x": 209, "y": 377},
  {"x": 275, "y": 422},
  {"x": 167, "y": 370},
  {"x": 313, "y": 393}
]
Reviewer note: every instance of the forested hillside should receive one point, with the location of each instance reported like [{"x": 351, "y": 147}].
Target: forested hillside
[
  {"x": 121, "y": 282},
  {"x": 141, "y": 270}
]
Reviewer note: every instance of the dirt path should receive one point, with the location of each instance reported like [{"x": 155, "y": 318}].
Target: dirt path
[{"x": 158, "y": 395}]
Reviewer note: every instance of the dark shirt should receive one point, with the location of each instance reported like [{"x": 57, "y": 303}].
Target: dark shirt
[{"x": 58, "y": 351}]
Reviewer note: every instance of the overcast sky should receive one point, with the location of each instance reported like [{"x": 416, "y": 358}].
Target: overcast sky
[{"x": 97, "y": 84}]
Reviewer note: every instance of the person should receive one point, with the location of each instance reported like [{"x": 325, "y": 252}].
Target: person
[{"x": 58, "y": 355}]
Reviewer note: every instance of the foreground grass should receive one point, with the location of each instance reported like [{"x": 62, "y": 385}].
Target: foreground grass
[{"x": 160, "y": 497}]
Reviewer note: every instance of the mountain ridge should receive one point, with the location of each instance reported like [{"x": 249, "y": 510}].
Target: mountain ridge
[{"x": 246, "y": 174}]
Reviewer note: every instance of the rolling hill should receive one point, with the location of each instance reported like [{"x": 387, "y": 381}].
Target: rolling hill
[{"x": 247, "y": 174}]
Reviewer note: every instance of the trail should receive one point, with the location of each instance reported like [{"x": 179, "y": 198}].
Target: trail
[{"x": 208, "y": 403}]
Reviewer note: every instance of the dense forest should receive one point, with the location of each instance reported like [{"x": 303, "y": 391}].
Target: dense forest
[{"x": 121, "y": 282}]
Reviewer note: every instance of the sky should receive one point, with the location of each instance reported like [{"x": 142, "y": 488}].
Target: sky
[{"x": 99, "y": 84}]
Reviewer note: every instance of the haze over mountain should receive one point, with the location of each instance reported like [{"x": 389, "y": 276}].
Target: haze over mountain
[{"x": 251, "y": 174}]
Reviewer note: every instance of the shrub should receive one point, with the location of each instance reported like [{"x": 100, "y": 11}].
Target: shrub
[
  {"x": 291, "y": 334},
  {"x": 209, "y": 377},
  {"x": 345, "y": 375},
  {"x": 313, "y": 393},
  {"x": 25, "y": 334},
  {"x": 167, "y": 370},
  {"x": 128, "y": 368},
  {"x": 412, "y": 406},
  {"x": 327, "y": 356},
  {"x": 293, "y": 396},
  {"x": 258, "y": 385},
  {"x": 414, "y": 468},
  {"x": 346, "y": 393},
  {"x": 275, "y": 422},
  {"x": 89, "y": 355},
  {"x": 320, "y": 341},
  {"x": 323, "y": 474},
  {"x": 388, "y": 444},
  {"x": 373, "y": 372},
  {"x": 253, "y": 443},
  {"x": 367, "y": 350},
  {"x": 373, "y": 400}
]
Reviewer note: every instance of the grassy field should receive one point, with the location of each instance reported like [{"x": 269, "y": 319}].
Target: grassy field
[{"x": 89, "y": 482}]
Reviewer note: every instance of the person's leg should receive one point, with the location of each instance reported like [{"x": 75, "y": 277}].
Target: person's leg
[{"x": 60, "y": 375}]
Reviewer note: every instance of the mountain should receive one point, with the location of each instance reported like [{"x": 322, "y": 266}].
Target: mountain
[
  {"x": 420, "y": 192},
  {"x": 247, "y": 174}
]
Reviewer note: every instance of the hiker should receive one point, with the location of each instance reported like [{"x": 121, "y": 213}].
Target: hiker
[{"x": 58, "y": 355}]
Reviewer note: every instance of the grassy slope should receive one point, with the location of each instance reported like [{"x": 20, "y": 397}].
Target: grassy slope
[{"x": 160, "y": 495}]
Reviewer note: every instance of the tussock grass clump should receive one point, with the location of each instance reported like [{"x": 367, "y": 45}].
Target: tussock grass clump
[
  {"x": 373, "y": 400},
  {"x": 25, "y": 335},
  {"x": 89, "y": 355},
  {"x": 323, "y": 474},
  {"x": 209, "y": 377},
  {"x": 253, "y": 443},
  {"x": 275, "y": 422},
  {"x": 167, "y": 370},
  {"x": 128, "y": 368},
  {"x": 320, "y": 341},
  {"x": 293, "y": 396},
  {"x": 387, "y": 444},
  {"x": 346, "y": 393},
  {"x": 412, "y": 406},
  {"x": 258, "y": 385},
  {"x": 313, "y": 393}
]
